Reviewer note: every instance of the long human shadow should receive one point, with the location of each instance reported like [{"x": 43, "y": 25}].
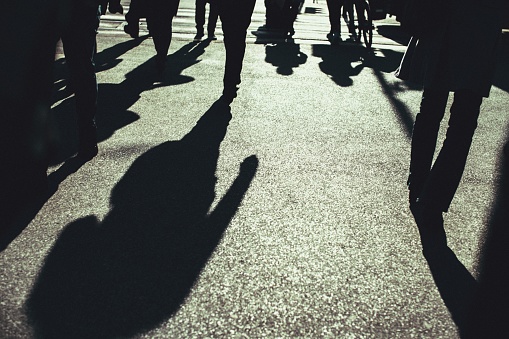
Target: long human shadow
[
  {"x": 113, "y": 113},
  {"x": 127, "y": 274},
  {"x": 63, "y": 130},
  {"x": 115, "y": 100},
  {"x": 456, "y": 285},
  {"x": 479, "y": 308},
  {"x": 106, "y": 59},
  {"x": 490, "y": 311},
  {"x": 337, "y": 61},
  {"x": 27, "y": 213},
  {"x": 285, "y": 56}
]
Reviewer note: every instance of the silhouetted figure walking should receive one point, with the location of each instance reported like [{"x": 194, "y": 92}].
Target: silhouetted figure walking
[
  {"x": 336, "y": 7},
  {"x": 456, "y": 54},
  {"x": 160, "y": 15},
  {"x": 200, "y": 19},
  {"x": 79, "y": 42},
  {"x": 290, "y": 10},
  {"x": 137, "y": 10},
  {"x": 235, "y": 19}
]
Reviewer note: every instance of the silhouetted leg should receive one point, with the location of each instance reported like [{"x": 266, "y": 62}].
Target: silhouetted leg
[
  {"x": 199, "y": 17},
  {"x": 334, "y": 7},
  {"x": 79, "y": 48},
  {"x": 213, "y": 16},
  {"x": 424, "y": 138},
  {"x": 350, "y": 12},
  {"x": 132, "y": 17},
  {"x": 290, "y": 11},
  {"x": 162, "y": 40},
  {"x": 235, "y": 18},
  {"x": 159, "y": 20},
  {"x": 446, "y": 173},
  {"x": 273, "y": 15}
]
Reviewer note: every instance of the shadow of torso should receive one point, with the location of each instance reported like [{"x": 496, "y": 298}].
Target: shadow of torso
[{"x": 132, "y": 271}]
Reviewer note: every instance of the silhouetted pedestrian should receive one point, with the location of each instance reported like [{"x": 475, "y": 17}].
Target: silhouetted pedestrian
[
  {"x": 453, "y": 53},
  {"x": 335, "y": 8},
  {"x": 235, "y": 19},
  {"x": 290, "y": 10},
  {"x": 79, "y": 42},
  {"x": 160, "y": 14},
  {"x": 137, "y": 10},
  {"x": 26, "y": 81},
  {"x": 200, "y": 19}
]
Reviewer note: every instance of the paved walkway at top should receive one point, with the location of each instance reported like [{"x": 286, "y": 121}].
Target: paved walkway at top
[{"x": 311, "y": 26}]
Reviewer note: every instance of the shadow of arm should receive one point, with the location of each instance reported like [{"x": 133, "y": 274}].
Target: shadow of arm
[{"x": 228, "y": 206}]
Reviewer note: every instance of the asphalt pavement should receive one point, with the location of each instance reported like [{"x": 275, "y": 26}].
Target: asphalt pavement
[{"x": 283, "y": 216}]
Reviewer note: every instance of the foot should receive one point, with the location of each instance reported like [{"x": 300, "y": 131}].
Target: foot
[
  {"x": 334, "y": 38},
  {"x": 87, "y": 148},
  {"x": 211, "y": 37},
  {"x": 160, "y": 63},
  {"x": 198, "y": 37},
  {"x": 132, "y": 30}
]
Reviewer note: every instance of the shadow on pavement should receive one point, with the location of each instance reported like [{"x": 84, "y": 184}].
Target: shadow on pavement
[
  {"x": 337, "y": 61},
  {"x": 456, "y": 285},
  {"x": 285, "y": 56},
  {"x": 394, "y": 32},
  {"x": 490, "y": 311},
  {"x": 113, "y": 113},
  {"x": 104, "y": 60},
  {"x": 132, "y": 271},
  {"x": 114, "y": 100},
  {"x": 63, "y": 131},
  {"x": 342, "y": 63},
  {"x": 479, "y": 308},
  {"x": 28, "y": 212},
  {"x": 502, "y": 74}
]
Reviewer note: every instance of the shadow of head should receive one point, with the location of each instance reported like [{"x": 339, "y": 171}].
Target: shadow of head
[
  {"x": 128, "y": 273},
  {"x": 285, "y": 56}
]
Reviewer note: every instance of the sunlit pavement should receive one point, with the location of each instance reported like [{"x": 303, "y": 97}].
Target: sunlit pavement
[{"x": 289, "y": 220}]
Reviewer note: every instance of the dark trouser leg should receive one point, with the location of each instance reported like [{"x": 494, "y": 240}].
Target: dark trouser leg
[
  {"x": 213, "y": 16},
  {"x": 424, "y": 138},
  {"x": 136, "y": 11},
  {"x": 446, "y": 173},
  {"x": 290, "y": 10},
  {"x": 235, "y": 18},
  {"x": 159, "y": 20},
  {"x": 79, "y": 43},
  {"x": 334, "y": 7},
  {"x": 199, "y": 16}
]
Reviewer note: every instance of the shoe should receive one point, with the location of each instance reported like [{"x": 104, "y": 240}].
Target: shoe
[
  {"x": 211, "y": 37},
  {"x": 132, "y": 30},
  {"x": 160, "y": 63},
  {"x": 198, "y": 37},
  {"x": 334, "y": 38},
  {"x": 87, "y": 148}
]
